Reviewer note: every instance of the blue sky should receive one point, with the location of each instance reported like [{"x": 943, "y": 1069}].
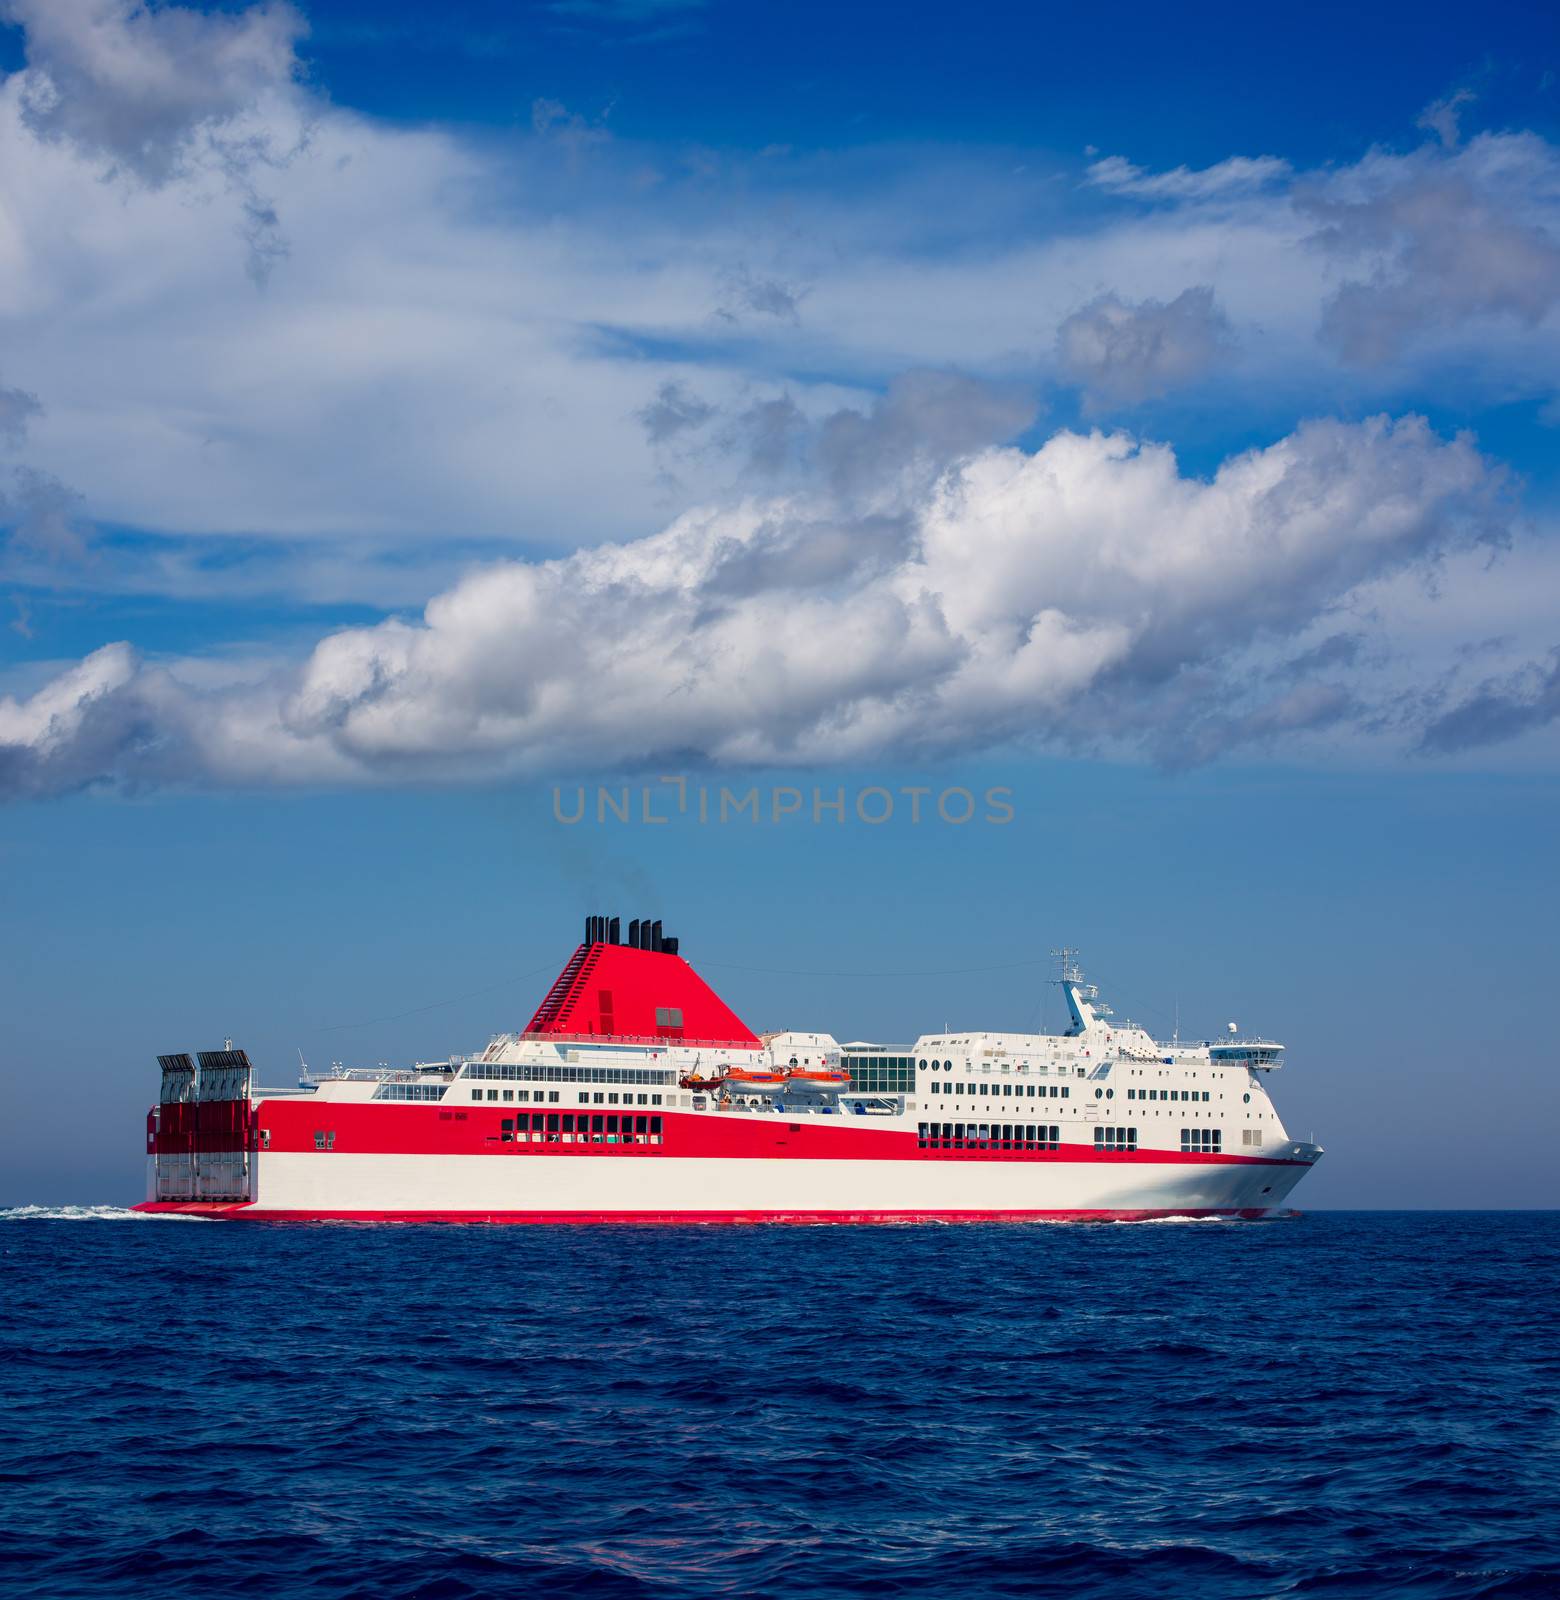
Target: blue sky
[{"x": 400, "y": 415}]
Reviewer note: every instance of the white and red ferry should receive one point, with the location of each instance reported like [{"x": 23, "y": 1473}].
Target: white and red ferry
[{"x": 635, "y": 1094}]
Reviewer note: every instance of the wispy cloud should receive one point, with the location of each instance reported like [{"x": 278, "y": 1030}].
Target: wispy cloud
[
  {"x": 1443, "y": 117},
  {"x": 1234, "y": 176},
  {"x": 1499, "y": 710}
]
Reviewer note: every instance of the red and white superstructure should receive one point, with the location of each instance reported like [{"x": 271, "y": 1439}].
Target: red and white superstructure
[{"x": 636, "y": 1094}]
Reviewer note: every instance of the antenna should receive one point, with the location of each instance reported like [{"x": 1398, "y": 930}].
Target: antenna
[{"x": 1067, "y": 963}]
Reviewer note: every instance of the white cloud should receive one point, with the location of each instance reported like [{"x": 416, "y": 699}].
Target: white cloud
[
  {"x": 1130, "y": 353},
  {"x": 1237, "y": 175},
  {"x": 1084, "y": 594},
  {"x": 456, "y": 333},
  {"x": 1445, "y": 240},
  {"x": 140, "y": 86}
]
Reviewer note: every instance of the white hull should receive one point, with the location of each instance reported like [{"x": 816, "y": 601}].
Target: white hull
[{"x": 342, "y": 1184}]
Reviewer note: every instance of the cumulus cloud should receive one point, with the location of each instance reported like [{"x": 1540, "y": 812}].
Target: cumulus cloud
[
  {"x": 1444, "y": 238},
  {"x": 1234, "y": 176},
  {"x": 1085, "y": 593},
  {"x": 1125, "y": 354}
]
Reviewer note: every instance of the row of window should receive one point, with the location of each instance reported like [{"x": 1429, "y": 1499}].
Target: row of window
[
  {"x": 1167, "y": 1094},
  {"x": 609, "y": 1097},
  {"x": 535, "y": 1073},
  {"x": 989, "y": 1136},
  {"x": 1115, "y": 1139},
  {"x": 410, "y": 1091},
  {"x": 567, "y": 1127},
  {"x": 1202, "y": 1139},
  {"x": 1021, "y": 1090},
  {"x": 1006, "y": 1066}
]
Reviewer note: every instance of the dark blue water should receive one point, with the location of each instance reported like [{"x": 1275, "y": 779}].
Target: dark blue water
[{"x": 1336, "y": 1405}]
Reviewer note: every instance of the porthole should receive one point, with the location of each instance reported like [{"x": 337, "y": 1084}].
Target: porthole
[
  {"x": 923, "y": 1066},
  {"x": 1099, "y": 1094},
  {"x": 1246, "y": 1098},
  {"x": 1110, "y": 1094}
]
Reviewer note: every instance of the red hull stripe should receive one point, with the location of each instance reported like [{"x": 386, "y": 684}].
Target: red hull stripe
[
  {"x": 383, "y": 1129},
  {"x": 224, "y": 1212}
]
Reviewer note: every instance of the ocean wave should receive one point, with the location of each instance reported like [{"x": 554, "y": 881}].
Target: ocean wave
[{"x": 828, "y": 1414}]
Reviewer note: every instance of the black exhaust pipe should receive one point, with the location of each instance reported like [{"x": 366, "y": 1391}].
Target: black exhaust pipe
[{"x": 614, "y": 930}]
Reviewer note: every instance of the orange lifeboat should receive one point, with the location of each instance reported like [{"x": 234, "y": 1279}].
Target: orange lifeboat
[
  {"x": 818, "y": 1077},
  {"x": 750, "y": 1080}
]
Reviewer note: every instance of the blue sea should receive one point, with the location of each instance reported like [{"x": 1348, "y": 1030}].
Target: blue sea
[{"x": 1335, "y": 1404}]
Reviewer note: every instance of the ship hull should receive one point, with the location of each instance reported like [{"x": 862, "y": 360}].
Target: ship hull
[
  {"x": 544, "y": 1186},
  {"x": 224, "y": 1211}
]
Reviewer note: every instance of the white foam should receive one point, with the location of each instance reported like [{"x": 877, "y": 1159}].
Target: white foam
[
  {"x": 1149, "y": 1222},
  {"x": 88, "y": 1214}
]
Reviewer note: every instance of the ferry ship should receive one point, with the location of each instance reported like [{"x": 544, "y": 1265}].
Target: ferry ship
[{"x": 635, "y": 1094}]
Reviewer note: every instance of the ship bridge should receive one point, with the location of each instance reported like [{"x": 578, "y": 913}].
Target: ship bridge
[{"x": 1260, "y": 1055}]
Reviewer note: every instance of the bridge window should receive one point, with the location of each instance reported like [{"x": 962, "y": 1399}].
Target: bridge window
[{"x": 874, "y": 1073}]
